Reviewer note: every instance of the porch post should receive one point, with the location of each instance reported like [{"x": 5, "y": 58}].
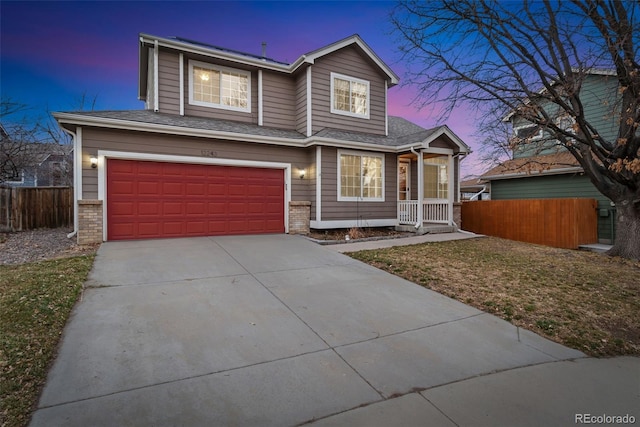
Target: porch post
[
  {"x": 420, "y": 187},
  {"x": 452, "y": 187}
]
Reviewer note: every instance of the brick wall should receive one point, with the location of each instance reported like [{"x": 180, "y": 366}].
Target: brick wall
[
  {"x": 299, "y": 217},
  {"x": 89, "y": 221}
]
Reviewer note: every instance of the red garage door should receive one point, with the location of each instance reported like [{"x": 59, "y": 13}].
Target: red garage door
[{"x": 155, "y": 199}]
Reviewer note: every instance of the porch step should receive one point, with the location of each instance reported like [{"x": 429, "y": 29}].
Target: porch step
[{"x": 427, "y": 229}]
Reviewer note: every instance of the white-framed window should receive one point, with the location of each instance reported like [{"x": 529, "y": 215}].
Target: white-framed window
[
  {"x": 436, "y": 178},
  {"x": 360, "y": 176},
  {"x": 528, "y": 132},
  {"x": 219, "y": 87},
  {"x": 349, "y": 96}
]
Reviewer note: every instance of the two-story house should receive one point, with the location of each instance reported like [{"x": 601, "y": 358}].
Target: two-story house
[
  {"x": 235, "y": 143},
  {"x": 543, "y": 168}
]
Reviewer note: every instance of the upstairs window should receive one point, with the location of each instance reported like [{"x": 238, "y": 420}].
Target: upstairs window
[
  {"x": 349, "y": 96},
  {"x": 219, "y": 87},
  {"x": 528, "y": 132}
]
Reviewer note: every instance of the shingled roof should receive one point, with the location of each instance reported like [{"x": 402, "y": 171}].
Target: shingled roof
[{"x": 562, "y": 162}]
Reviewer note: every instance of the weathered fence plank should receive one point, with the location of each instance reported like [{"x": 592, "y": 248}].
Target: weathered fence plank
[
  {"x": 28, "y": 208},
  {"x": 561, "y": 223}
]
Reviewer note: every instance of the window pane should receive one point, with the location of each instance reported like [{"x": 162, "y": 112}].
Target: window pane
[
  {"x": 350, "y": 176},
  {"x": 234, "y": 89},
  {"x": 359, "y": 98},
  {"x": 372, "y": 177},
  {"x": 341, "y": 94},
  {"x": 206, "y": 85},
  {"x": 436, "y": 178}
]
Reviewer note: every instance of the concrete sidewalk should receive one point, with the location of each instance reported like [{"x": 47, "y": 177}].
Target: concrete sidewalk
[
  {"x": 278, "y": 331},
  {"x": 401, "y": 241}
]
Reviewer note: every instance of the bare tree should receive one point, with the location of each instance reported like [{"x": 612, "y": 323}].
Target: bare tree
[{"x": 532, "y": 58}]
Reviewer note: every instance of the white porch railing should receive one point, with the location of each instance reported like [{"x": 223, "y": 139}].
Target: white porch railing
[
  {"x": 407, "y": 212},
  {"x": 434, "y": 211}
]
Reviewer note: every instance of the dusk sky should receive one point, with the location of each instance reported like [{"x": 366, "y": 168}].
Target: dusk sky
[{"x": 53, "y": 52}]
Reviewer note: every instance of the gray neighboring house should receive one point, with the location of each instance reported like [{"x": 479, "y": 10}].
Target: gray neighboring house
[{"x": 235, "y": 143}]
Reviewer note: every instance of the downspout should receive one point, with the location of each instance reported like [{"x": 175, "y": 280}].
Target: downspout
[
  {"x": 75, "y": 184},
  {"x": 484, "y": 188},
  {"x": 420, "y": 186}
]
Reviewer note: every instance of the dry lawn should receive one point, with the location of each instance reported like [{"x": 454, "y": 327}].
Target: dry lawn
[
  {"x": 35, "y": 302},
  {"x": 584, "y": 300}
]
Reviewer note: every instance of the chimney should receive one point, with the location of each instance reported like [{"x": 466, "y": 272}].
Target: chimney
[{"x": 264, "y": 49}]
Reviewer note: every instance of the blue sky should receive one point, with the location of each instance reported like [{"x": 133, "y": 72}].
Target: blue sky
[{"x": 54, "y": 52}]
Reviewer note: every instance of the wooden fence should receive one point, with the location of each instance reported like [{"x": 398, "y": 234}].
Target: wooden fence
[
  {"x": 28, "y": 208},
  {"x": 562, "y": 223}
]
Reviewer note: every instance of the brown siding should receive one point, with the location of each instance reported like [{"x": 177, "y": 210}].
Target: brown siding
[
  {"x": 140, "y": 142},
  {"x": 332, "y": 209},
  {"x": 169, "y": 82},
  {"x": 301, "y": 103},
  {"x": 351, "y": 62},
  {"x": 278, "y": 100},
  {"x": 220, "y": 113}
]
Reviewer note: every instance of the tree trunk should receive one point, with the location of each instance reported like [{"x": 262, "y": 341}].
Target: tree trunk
[{"x": 627, "y": 238}]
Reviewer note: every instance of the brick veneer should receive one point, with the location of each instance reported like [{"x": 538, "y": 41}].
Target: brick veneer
[
  {"x": 89, "y": 221},
  {"x": 299, "y": 217}
]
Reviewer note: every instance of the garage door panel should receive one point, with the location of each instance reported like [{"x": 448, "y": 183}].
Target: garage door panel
[
  {"x": 156, "y": 199},
  {"x": 149, "y": 208}
]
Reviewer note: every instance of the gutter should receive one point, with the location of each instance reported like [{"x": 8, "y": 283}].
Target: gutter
[{"x": 575, "y": 169}]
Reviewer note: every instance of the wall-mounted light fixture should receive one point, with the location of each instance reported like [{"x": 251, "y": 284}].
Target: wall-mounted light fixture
[
  {"x": 94, "y": 162},
  {"x": 302, "y": 172}
]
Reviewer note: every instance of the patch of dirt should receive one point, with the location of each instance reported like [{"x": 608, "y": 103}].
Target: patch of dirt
[
  {"x": 37, "y": 245},
  {"x": 356, "y": 233}
]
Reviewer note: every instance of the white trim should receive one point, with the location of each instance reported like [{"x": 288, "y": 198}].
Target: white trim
[
  {"x": 339, "y": 172},
  {"x": 260, "y": 112},
  {"x": 386, "y": 113},
  {"x": 420, "y": 188},
  {"x": 440, "y": 151},
  {"x": 351, "y": 80},
  {"x": 348, "y": 223},
  {"x": 309, "y": 104},
  {"x": 156, "y": 103},
  {"x": 104, "y": 155},
  {"x": 181, "y": 82},
  {"x": 318, "y": 183},
  {"x": 78, "y": 163},
  {"x": 408, "y": 163},
  {"x": 450, "y": 190},
  {"x": 220, "y": 69}
]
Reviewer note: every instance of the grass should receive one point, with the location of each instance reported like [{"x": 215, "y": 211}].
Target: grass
[
  {"x": 35, "y": 302},
  {"x": 583, "y": 300}
]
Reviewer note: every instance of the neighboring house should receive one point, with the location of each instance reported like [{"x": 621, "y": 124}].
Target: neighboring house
[
  {"x": 542, "y": 169},
  {"x": 475, "y": 189},
  {"x": 235, "y": 143},
  {"x": 29, "y": 164}
]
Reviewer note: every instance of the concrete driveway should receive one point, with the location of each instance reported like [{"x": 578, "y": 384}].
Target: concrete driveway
[{"x": 277, "y": 331}]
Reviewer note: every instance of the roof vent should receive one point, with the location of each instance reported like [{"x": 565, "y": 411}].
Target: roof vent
[{"x": 264, "y": 50}]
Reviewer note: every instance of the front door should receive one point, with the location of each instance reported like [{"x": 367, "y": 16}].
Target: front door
[{"x": 404, "y": 180}]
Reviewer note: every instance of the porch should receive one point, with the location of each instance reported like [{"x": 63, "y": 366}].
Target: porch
[{"x": 437, "y": 216}]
